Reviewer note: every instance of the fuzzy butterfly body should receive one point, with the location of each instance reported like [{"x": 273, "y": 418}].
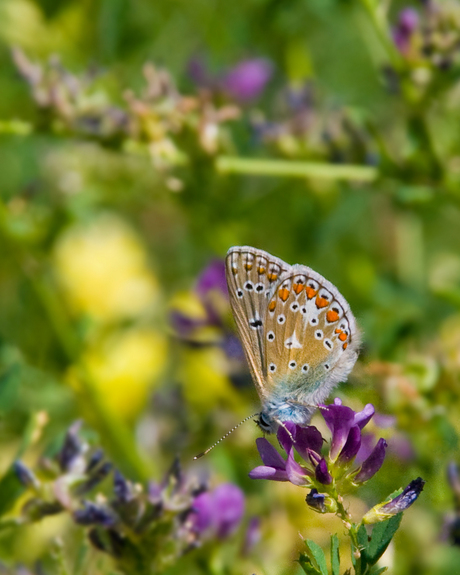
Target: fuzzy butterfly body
[{"x": 299, "y": 335}]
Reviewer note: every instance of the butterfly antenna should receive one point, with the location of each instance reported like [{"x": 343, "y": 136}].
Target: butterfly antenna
[{"x": 225, "y": 436}]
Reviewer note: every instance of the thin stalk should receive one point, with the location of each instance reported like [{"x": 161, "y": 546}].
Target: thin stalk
[{"x": 296, "y": 169}]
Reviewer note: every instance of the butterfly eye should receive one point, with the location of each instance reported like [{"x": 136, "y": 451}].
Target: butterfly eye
[
  {"x": 318, "y": 334},
  {"x": 292, "y": 364}
]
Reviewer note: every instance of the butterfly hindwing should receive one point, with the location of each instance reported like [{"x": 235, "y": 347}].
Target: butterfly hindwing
[
  {"x": 311, "y": 336},
  {"x": 252, "y": 276}
]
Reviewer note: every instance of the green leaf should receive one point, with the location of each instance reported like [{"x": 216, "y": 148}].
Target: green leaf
[
  {"x": 317, "y": 556},
  {"x": 307, "y": 565},
  {"x": 378, "y": 570},
  {"x": 10, "y": 490},
  {"x": 335, "y": 555},
  {"x": 382, "y": 534}
]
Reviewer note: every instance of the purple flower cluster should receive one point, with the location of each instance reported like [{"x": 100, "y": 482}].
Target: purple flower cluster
[{"x": 320, "y": 471}]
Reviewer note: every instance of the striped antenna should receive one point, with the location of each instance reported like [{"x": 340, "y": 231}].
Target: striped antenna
[{"x": 225, "y": 436}]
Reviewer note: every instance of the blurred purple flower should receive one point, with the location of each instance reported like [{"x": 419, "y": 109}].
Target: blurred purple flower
[
  {"x": 247, "y": 80},
  {"x": 316, "y": 500},
  {"x": 219, "y": 512},
  {"x": 212, "y": 278},
  {"x": 252, "y": 536},
  {"x": 408, "y": 21}
]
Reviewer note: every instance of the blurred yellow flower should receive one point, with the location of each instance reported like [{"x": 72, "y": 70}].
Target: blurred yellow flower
[
  {"x": 204, "y": 374},
  {"x": 103, "y": 270},
  {"x": 125, "y": 366}
]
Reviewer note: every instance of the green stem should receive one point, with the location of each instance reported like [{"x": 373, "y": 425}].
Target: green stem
[
  {"x": 114, "y": 430},
  {"x": 274, "y": 167},
  {"x": 381, "y": 29}
]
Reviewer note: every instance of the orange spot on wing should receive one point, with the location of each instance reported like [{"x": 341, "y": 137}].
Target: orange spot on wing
[
  {"x": 332, "y": 316},
  {"x": 272, "y": 276},
  {"x": 272, "y": 305},
  {"x": 310, "y": 292},
  {"x": 344, "y": 346},
  {"x": 261, "y": 270},
  {"x": 338, "y": 330},
  {"x": 343, "y": 336},
  {"x": 283, "y": 293},
  {"x": 298, "y": 288},
  {"x": 321, "y": 302},
  {"x": 248, "y": 266}
]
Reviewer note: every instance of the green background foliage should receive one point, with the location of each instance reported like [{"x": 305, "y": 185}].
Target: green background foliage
[{"x": 100, "y": 240}]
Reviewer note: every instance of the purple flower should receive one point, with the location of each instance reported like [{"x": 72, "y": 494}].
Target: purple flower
[
  {"x": 316, "y": 470},
  {"x": 340, "y": 420},
  {"x": 407, "y": 23},
  {"x": 219, "y": 512},
  {"x": 316, "y": 500},
  {"x": 398, "y": 504},
  {"x": 93, "y": 514},
  {"x": 247, "y": 80}
]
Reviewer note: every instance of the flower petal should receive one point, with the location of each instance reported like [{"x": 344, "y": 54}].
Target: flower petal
[
  {"x": 322, "y": 473},
  {"x": 373, "y": 463},
  {"x": 352, "y": 445},
  {"x": 265, "y": 472},
  {"x": 306, "y": 439},
  {"x": 405, "y": 499},
  {"x": 297, "y": 474},
  {"x": 339, "y": 419},
  {"x": 269, "y": 455},
  {"x": 363, "y": 417}
]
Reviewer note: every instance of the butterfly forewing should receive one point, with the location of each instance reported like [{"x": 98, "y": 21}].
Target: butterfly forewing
[{"x": 253, "y": 276}]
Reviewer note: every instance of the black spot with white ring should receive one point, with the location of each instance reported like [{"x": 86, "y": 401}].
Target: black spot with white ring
[
  {"x": 281, "y": 318},
  {"x": 239, "y": 293},
  {"x": 255, "y": 323},
  {"x": 294, "y": 306},
  {"x": 271, "y": 336},
  {"x": 272, "y": 368},
  {"x": 319, "y": 334},
  {"x": 248, "y": 286},
  {"x": 314, "y": 321},
  {"x": 303, "y": 310},
  {"x": 327, "y": 366},
  {"x": 260, "y": 287},
  {"x": 292, "y": 364},
  {"x": 305, "y": 368},
  {"x": 328, "y": 344}
]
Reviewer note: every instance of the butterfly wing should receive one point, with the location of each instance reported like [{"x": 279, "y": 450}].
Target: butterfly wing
[
  {"x": 252, "y": 277},
  {"x": 311, "y": 338}
]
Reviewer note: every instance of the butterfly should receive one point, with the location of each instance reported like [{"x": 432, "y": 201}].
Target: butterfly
[{"x": 298, "y": 333}]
